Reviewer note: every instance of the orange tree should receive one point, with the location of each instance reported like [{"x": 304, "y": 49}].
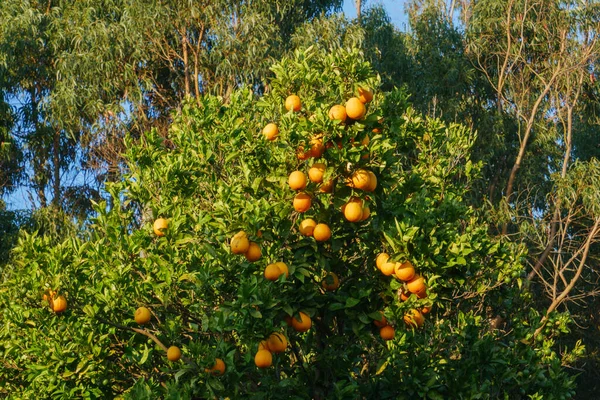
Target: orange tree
[{"x": 225, "y": 263}]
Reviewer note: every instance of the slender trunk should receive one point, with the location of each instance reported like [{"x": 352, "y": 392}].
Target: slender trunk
[
  {"x": 357, "y": 4},
  {"x": 197, "y": 66},
  {"x": 186, "y": 69},
  {"x": 56, "y": 165}
]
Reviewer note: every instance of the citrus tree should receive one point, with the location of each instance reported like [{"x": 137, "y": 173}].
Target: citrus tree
[{"x": 311, "y": 243}]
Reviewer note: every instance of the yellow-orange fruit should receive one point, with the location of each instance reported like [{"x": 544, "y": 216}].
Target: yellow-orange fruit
[
  {"x": 353, "y": 212},
  {"x": 173, "y": 353},
  {"x": 365, "y": 95},
  {"x": 283, "y": 268},
  {"x": 272, "y": 272},
  {"x": 387, "y": 332},
  {"x": 303, "y": 323},
  {"x": 414, "y": 318},
  {"x": 302, "y": 202},
  {"x": 361, "y": 179},
  {"x": 142, "y": 315},
  {"x": 366, "y": 213},
  {"x": 316, "y": 172},
  {"x": 372, "y": 182},
  {"x": 307, "y": 226},
  {"x": 331, "y": 282},
  {"x": 381, "y": 323},
  {"x": 425, "y": 310},
  {"x": 277, "y": 342},
  {"x": 293, "y": 103},
  {"x": 355, "y": 109},
  {"x": 160, "y": 226},
  {"x": 271, "y": 131},
  {"x": 381, "y": 259},
  {"x": 58, "y": 304},
  {"x": 404, "y": 271},
  {"x": 263, "y": 359},
  {"x": 338, "y": 112},
  {"x": 297, "y": 180},
  {"x": 263, "y": 345},
  {"x": 316, "y": 147},
  {"x": 403, "y": 294},
  {"x": 301, "y": 154},
  {"x": 253, "y": 253},
  {"x": 240, "y": 243},
  {"x": 416, "y": 284},
  {"x": 388, "y": 268},
  {"x": 322, "y": 233},
  {"x": 218, "y": 367},
  {"x": 326, "y": 187}
]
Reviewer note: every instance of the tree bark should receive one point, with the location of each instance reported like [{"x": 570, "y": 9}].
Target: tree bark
[
  {"x": 56, "y": 166},
  {"x": 186, "y": 69},
  {"x": 357, "y": 4}
]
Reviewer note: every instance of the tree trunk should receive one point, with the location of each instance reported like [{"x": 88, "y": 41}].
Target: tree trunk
[
  {"x": 56, "y": 165},
  {"x": 186, "y": 69},
  {"x": 357, "y": 4}
]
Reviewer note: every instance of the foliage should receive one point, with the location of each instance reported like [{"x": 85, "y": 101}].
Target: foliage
[{"x": 214, "y": 175}]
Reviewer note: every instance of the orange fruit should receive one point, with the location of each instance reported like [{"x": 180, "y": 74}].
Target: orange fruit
[
  {"x": 416, "y": 284},
  {"x": 422, "y": 293},
  {"x": 387, "y": 332},
  {"x": 173, "y": 353},
  {"x": 142, "y": 315},
  {"x": 404, "y": 271},
  {"x": 316, "y": 172},
  {"x": 58, "y": 304},
  {"x": 240, "y": 243},
  {"x": 326, "y": 187},
  {"x": 283, "y": 268},
  {"x": 380, "y": 323},
  {"x": 277, "y": 342},
  {"x": 297, "y": 180},
  {"x": 387, "y": 268},
  {"x": 414, "y": 318},
  {"x": 263, "y": 345},
  {"x": 301, "y": 154},
  {"x": 160, "y": 225},
  {"x": 316, "y": 147},
  {"x": 355, "y": 109},
  {"x": 307, "y": 226},
  {"x": 292, "y": 103},
  {"x": 353, "y": 211},
  {"x": 272, "y": 272},
  {"x": 302, "y": 202},
  {"x": 263, "y": 359},
  {"x": 322, "y": 233},
  {"x": 253, "y": 253},
  {"x": 366, "y": 213},
  {"x": 425, "y": 310},
  {"x": 402, "y": 294},
  {"x": 218, "y": 367},
  {"x": 331, "y": 282},
  {"x": 365, "y": 94},
  {"x": 361, "y": 179},
  {"x": 338, "y": 112},
  {"x": 270, "y": 131},
  {"x": 372, "y": 182},
  {"x": 303, "y": 324},
  {"x": 381, "y": 259}
]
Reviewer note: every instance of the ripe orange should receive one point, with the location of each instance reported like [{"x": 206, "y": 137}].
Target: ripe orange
[
  {"x": 297, "y": 180},
  {"x": 316, "y": 172},
  {"x": 404, "y": 271},
  {"x": 365, "y": 94},
  {"x": 301, "y": 154},
  {"x": 414, "y": 318},
  {"x": 263, "y": 359},
  {"x": 387, "y": 268},
  {"x": 422, "y": 293},
  {"x": 387, "y": 332},
  {"x": 58, "y": 304},
  {"x": 361, "y": 179},
  {"x": 283, "y": 268},
  {"x": 381, "y": 259},
  {"x": 425, "y": 310},
  {"x": 173, "y": 353},
  {"x": 402, "y": 294},
  {"x": 253, "y": 253},
  {"x": 338, "y": 112},
  {"x": 142, "y": 315},
  {"x": 263, "y": 345},
  {"x": 326, "y": 187},
  {"x": 160, "y": 226},
  {"x": 307, "y": 226},
  {"x": 353, "y": 211},
  {"x": 372, "y": 182},
  {"x": 240, "y": 243},
  {"x": 271, "y": 131},
  {"x": 272, "y": 272},
  {"x": 277, "y": 342},
  {"x": 292, "y": 103},
  {"x": 316, "y": 147},
  {"x": 322, "y": 233},
  {"x": 381, "y": 323},
  {"x": 416, "y": 285},
  {"x": 303, "y": 324},
  {"x": 355, "y": 109},
  {"x": 331, "y": 282},
  {"x": 218, "y": 368},
  {"x": 366, "y": 213},
  {"x": 302, "y": 202}
]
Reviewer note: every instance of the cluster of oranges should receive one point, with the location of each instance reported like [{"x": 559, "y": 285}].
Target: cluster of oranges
[{"x": 57, "y": 303}]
